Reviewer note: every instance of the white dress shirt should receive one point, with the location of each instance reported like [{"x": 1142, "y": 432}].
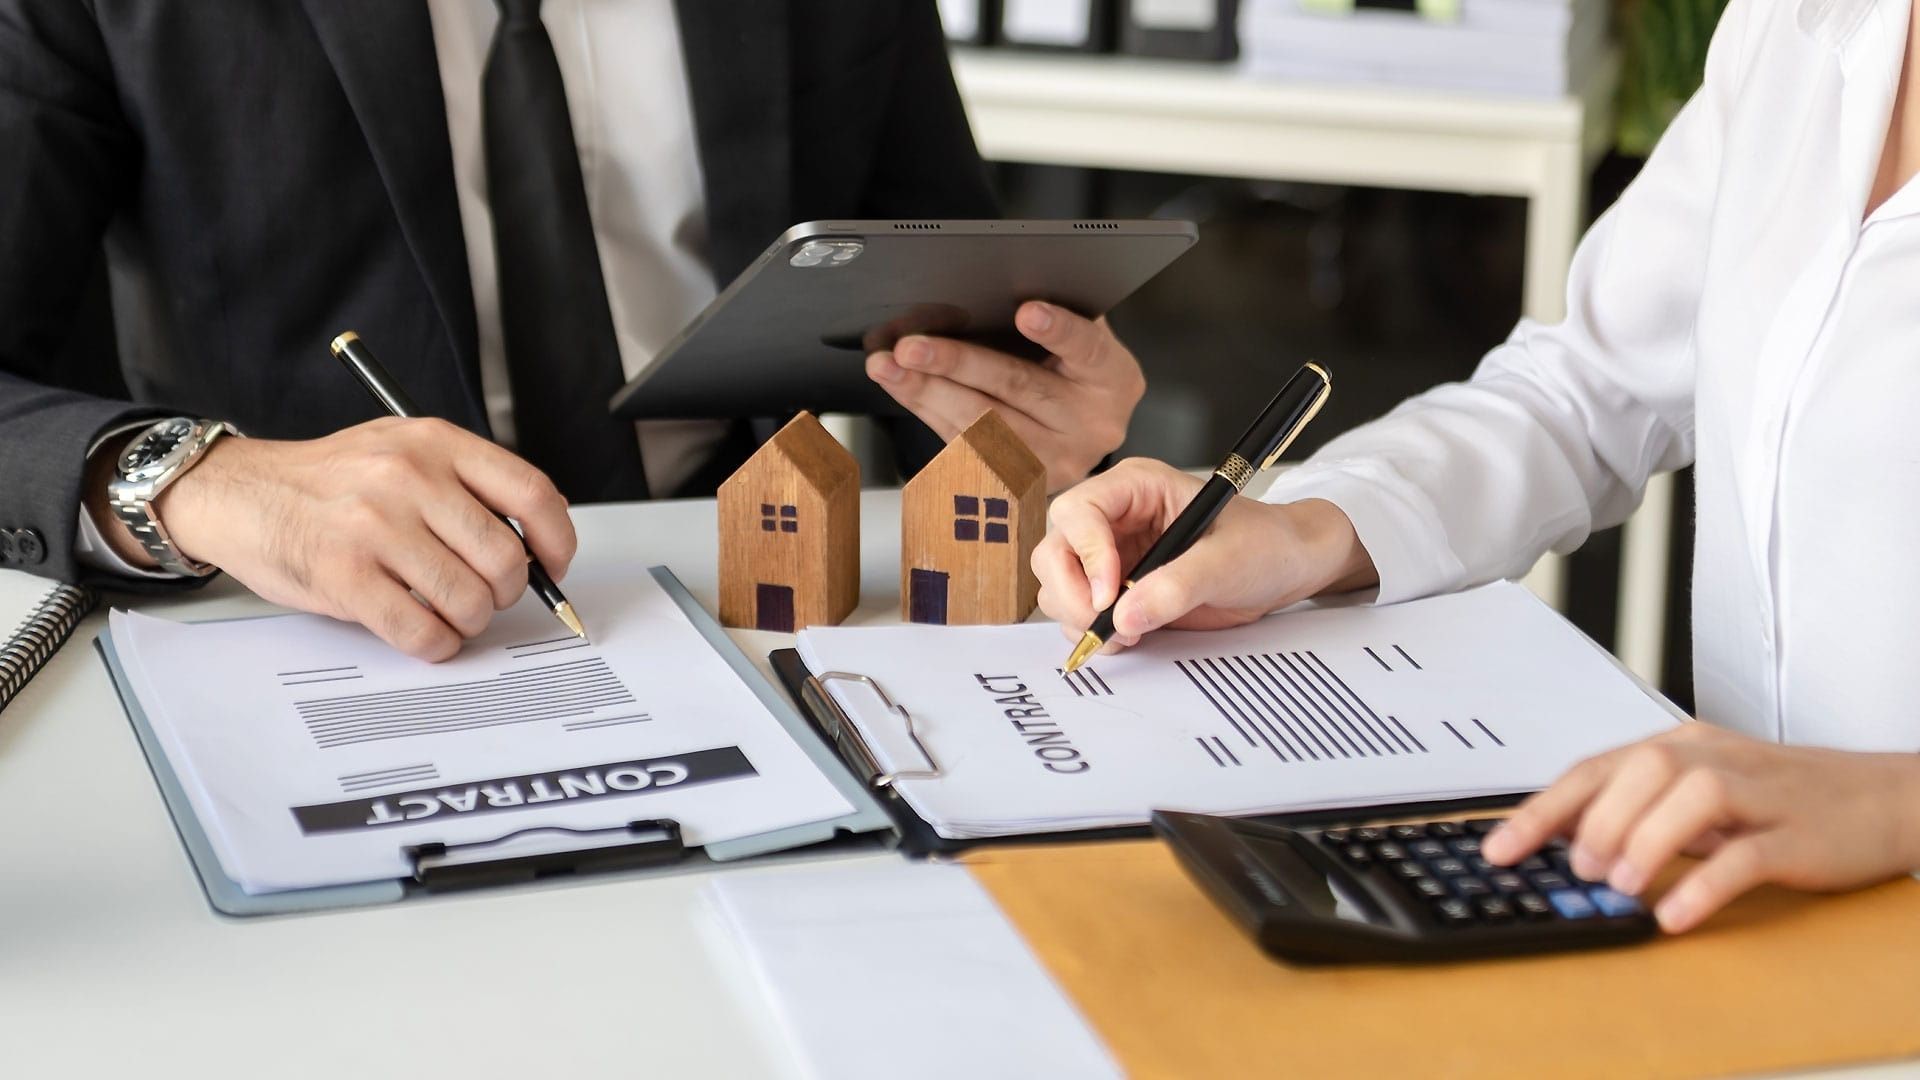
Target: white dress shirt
[
  {"x": 1737, "y": 309},
  {"x": 633, "y": 123}
]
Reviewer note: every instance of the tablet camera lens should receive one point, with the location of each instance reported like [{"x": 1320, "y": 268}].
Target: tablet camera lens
[{"x": 827, "y": 252}]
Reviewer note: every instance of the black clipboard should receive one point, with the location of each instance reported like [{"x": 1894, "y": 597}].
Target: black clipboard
[{"x": 918, "y": 837}]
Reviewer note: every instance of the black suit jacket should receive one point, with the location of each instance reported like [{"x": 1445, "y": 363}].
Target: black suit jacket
[{"x": 266, "y": 174}]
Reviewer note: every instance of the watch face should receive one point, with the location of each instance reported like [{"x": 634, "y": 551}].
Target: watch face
[{"x": 151, "y": 453}]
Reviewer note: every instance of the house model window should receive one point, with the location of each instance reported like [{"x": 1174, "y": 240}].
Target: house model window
[
  {"x": 967, "y": 518},
  {"x": 785, "y": 518}
]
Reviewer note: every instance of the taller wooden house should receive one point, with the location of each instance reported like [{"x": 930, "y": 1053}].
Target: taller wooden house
[
  {"x": 790, "y": 532},
  {"x": 968, "y": 525}
]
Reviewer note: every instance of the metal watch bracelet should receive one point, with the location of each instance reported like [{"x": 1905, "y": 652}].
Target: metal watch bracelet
[{"x": 132, "y": 499}]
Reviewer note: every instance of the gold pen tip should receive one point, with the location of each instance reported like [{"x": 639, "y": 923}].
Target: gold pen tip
[
  {"x": 1089, "y": 644},
  {"x": 340, "y": 343},
  {"x": 564, "y": 612}
]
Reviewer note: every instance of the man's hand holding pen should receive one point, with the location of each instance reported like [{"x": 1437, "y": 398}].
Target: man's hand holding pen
[
  {"x": 355, "y": 524},
  {"x": 1099, "y": 528}
]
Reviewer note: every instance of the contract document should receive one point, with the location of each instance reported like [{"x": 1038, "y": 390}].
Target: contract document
[
  {"x": 314, "y": 755},
  {"x": 1483, "y": 692}
]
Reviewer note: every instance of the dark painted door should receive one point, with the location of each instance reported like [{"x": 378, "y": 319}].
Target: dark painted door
[
  {"x": 927, "y": 592},
  {"x": 773, "y": 608}
]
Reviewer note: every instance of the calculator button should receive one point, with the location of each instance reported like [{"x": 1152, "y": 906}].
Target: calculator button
[
  {"x": 1367, "y": 834},
  {"x": 1481, "y": 826},
  {"x": 1532, "y": 863},
  {"x": 1507, "y": 882},
  {"x": 1532, "y": 905},
  {"x": 1388, "y": 851},
  {"x": 1470, "y": 886},
  {"x": 1447, "y": 867},
  {"x": 1549, "y": 882},
  {"x": 1494, "y": 908},
  {"x": 1479, "y": 864},
  {"x": 1431, "y": 888},
  {"x": 1407, "y": 832},
  {"x": 1454, "y": 911},
  {"x": 1357, "y": 854},
  {"x": 1444, "y": 829},
  {"x": 1335, "y": 837},
  {"x": 1409, "y": 870},
  {"x": 1465, "y": 845},
  {"x": 1428, "y": 849},
  {"x": 1572, "y": 904},
  {"x": 1613, "y": 903}
]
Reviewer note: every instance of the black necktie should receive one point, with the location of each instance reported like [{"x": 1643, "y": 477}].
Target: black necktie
[{"x": 563, "y": 361}]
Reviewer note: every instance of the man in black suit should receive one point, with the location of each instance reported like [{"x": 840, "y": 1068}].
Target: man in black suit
[{"x": 474, "y": 189}]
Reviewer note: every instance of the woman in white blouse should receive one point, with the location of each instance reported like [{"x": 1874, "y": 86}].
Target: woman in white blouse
[{"x": 1751, "y": 306}]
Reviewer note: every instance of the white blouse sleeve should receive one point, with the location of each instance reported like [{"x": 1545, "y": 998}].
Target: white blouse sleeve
[{"x": 1559, "y": 429}]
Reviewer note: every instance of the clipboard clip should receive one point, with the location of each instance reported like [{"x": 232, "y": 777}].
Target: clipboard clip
[
  {"x": 854, "y": 746},
  {"x": 439, "y": 867}
]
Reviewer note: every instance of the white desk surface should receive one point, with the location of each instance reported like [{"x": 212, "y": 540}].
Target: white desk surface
[{"x": 112, "y": 964}]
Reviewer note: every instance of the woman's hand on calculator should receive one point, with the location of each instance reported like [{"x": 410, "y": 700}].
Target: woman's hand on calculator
[{"x": 1754, "y": 811}]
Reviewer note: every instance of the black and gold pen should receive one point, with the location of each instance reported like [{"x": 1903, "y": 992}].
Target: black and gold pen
[
  {"x": 1277, "y": 426},
  {"x": 354, "y": 353}
]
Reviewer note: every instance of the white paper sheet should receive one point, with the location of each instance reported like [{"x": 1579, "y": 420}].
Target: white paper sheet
[
  {"x": 903, "y": 970},
  {"x": 1483, "y": 692},
  {"x": 1047, "y": 22},
  {"x": 313, "y": 754}
]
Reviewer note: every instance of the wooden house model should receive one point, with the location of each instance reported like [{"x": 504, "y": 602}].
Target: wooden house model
[
  {"x": 790, "y": 532},
  {"x": 968, "y": 525}
]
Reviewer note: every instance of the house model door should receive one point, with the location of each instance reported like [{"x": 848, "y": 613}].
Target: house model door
[
  {"x": 773, "y": 608},
  {"x": 928, "y": 597}
]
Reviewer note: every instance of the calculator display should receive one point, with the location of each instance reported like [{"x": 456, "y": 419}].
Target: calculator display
[{"x": 1290, "y": 879}]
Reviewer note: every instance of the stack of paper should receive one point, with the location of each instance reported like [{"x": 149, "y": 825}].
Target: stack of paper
[
  {"x": 1539, "y": 48},
  {"x": 903, "y": 969},
  {"x": 315, "y": 755},
  {"x": 1483, "y": 692}
]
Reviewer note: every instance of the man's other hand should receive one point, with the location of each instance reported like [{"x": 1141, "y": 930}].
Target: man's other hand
[{"x": 1071, "y": 408}]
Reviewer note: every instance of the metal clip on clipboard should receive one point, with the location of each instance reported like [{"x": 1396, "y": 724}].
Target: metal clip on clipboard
[
  {"x": 441, "y": 867},
  {"x": 853, "y": 746}
]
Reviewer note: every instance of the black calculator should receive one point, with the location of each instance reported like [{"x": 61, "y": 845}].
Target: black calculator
[{"x": 1401, "y": 892}]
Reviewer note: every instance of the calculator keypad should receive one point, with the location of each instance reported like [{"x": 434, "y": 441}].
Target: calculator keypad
[{"x": 1439, "y": 865}]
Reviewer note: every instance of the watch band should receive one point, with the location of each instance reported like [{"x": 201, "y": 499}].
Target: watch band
[{"x": 132, "y": 502}]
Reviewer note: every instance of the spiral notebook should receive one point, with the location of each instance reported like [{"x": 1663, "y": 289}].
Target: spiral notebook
[{"x": 37, "y": 616}]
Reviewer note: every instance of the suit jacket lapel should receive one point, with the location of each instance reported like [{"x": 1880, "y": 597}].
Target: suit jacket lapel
[
  {"x": 739, "y": 73},
  {"x": 384, "y": 55}
]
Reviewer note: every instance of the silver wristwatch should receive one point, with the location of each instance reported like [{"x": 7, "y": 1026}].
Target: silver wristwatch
[{"x": 154, "y": 459}]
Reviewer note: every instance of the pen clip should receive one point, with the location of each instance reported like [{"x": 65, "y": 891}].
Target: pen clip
[{"x": 1319, "y": 400}]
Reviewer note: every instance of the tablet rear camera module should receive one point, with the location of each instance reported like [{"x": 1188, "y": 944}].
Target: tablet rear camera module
[{"x": 826, "y": 253}]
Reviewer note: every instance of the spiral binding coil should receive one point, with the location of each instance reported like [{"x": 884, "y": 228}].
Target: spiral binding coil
[{"x": 43, "y": 632}]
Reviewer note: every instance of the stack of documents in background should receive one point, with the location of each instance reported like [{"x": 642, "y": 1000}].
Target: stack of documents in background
[{"x": 1535, "y": 48}]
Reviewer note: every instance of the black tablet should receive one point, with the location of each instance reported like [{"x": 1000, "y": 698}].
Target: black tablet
[{"x": 794, "y": 329}]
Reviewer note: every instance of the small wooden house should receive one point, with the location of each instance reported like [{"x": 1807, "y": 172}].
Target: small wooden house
[
  {"x": 968, "y": 525},
  {"x": 790, "y": 532}
]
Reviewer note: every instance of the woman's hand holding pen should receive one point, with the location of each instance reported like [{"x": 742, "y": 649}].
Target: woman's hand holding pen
[
  {"x": 358, "y": 523},
  {"x": 1256, "y": 558}
]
